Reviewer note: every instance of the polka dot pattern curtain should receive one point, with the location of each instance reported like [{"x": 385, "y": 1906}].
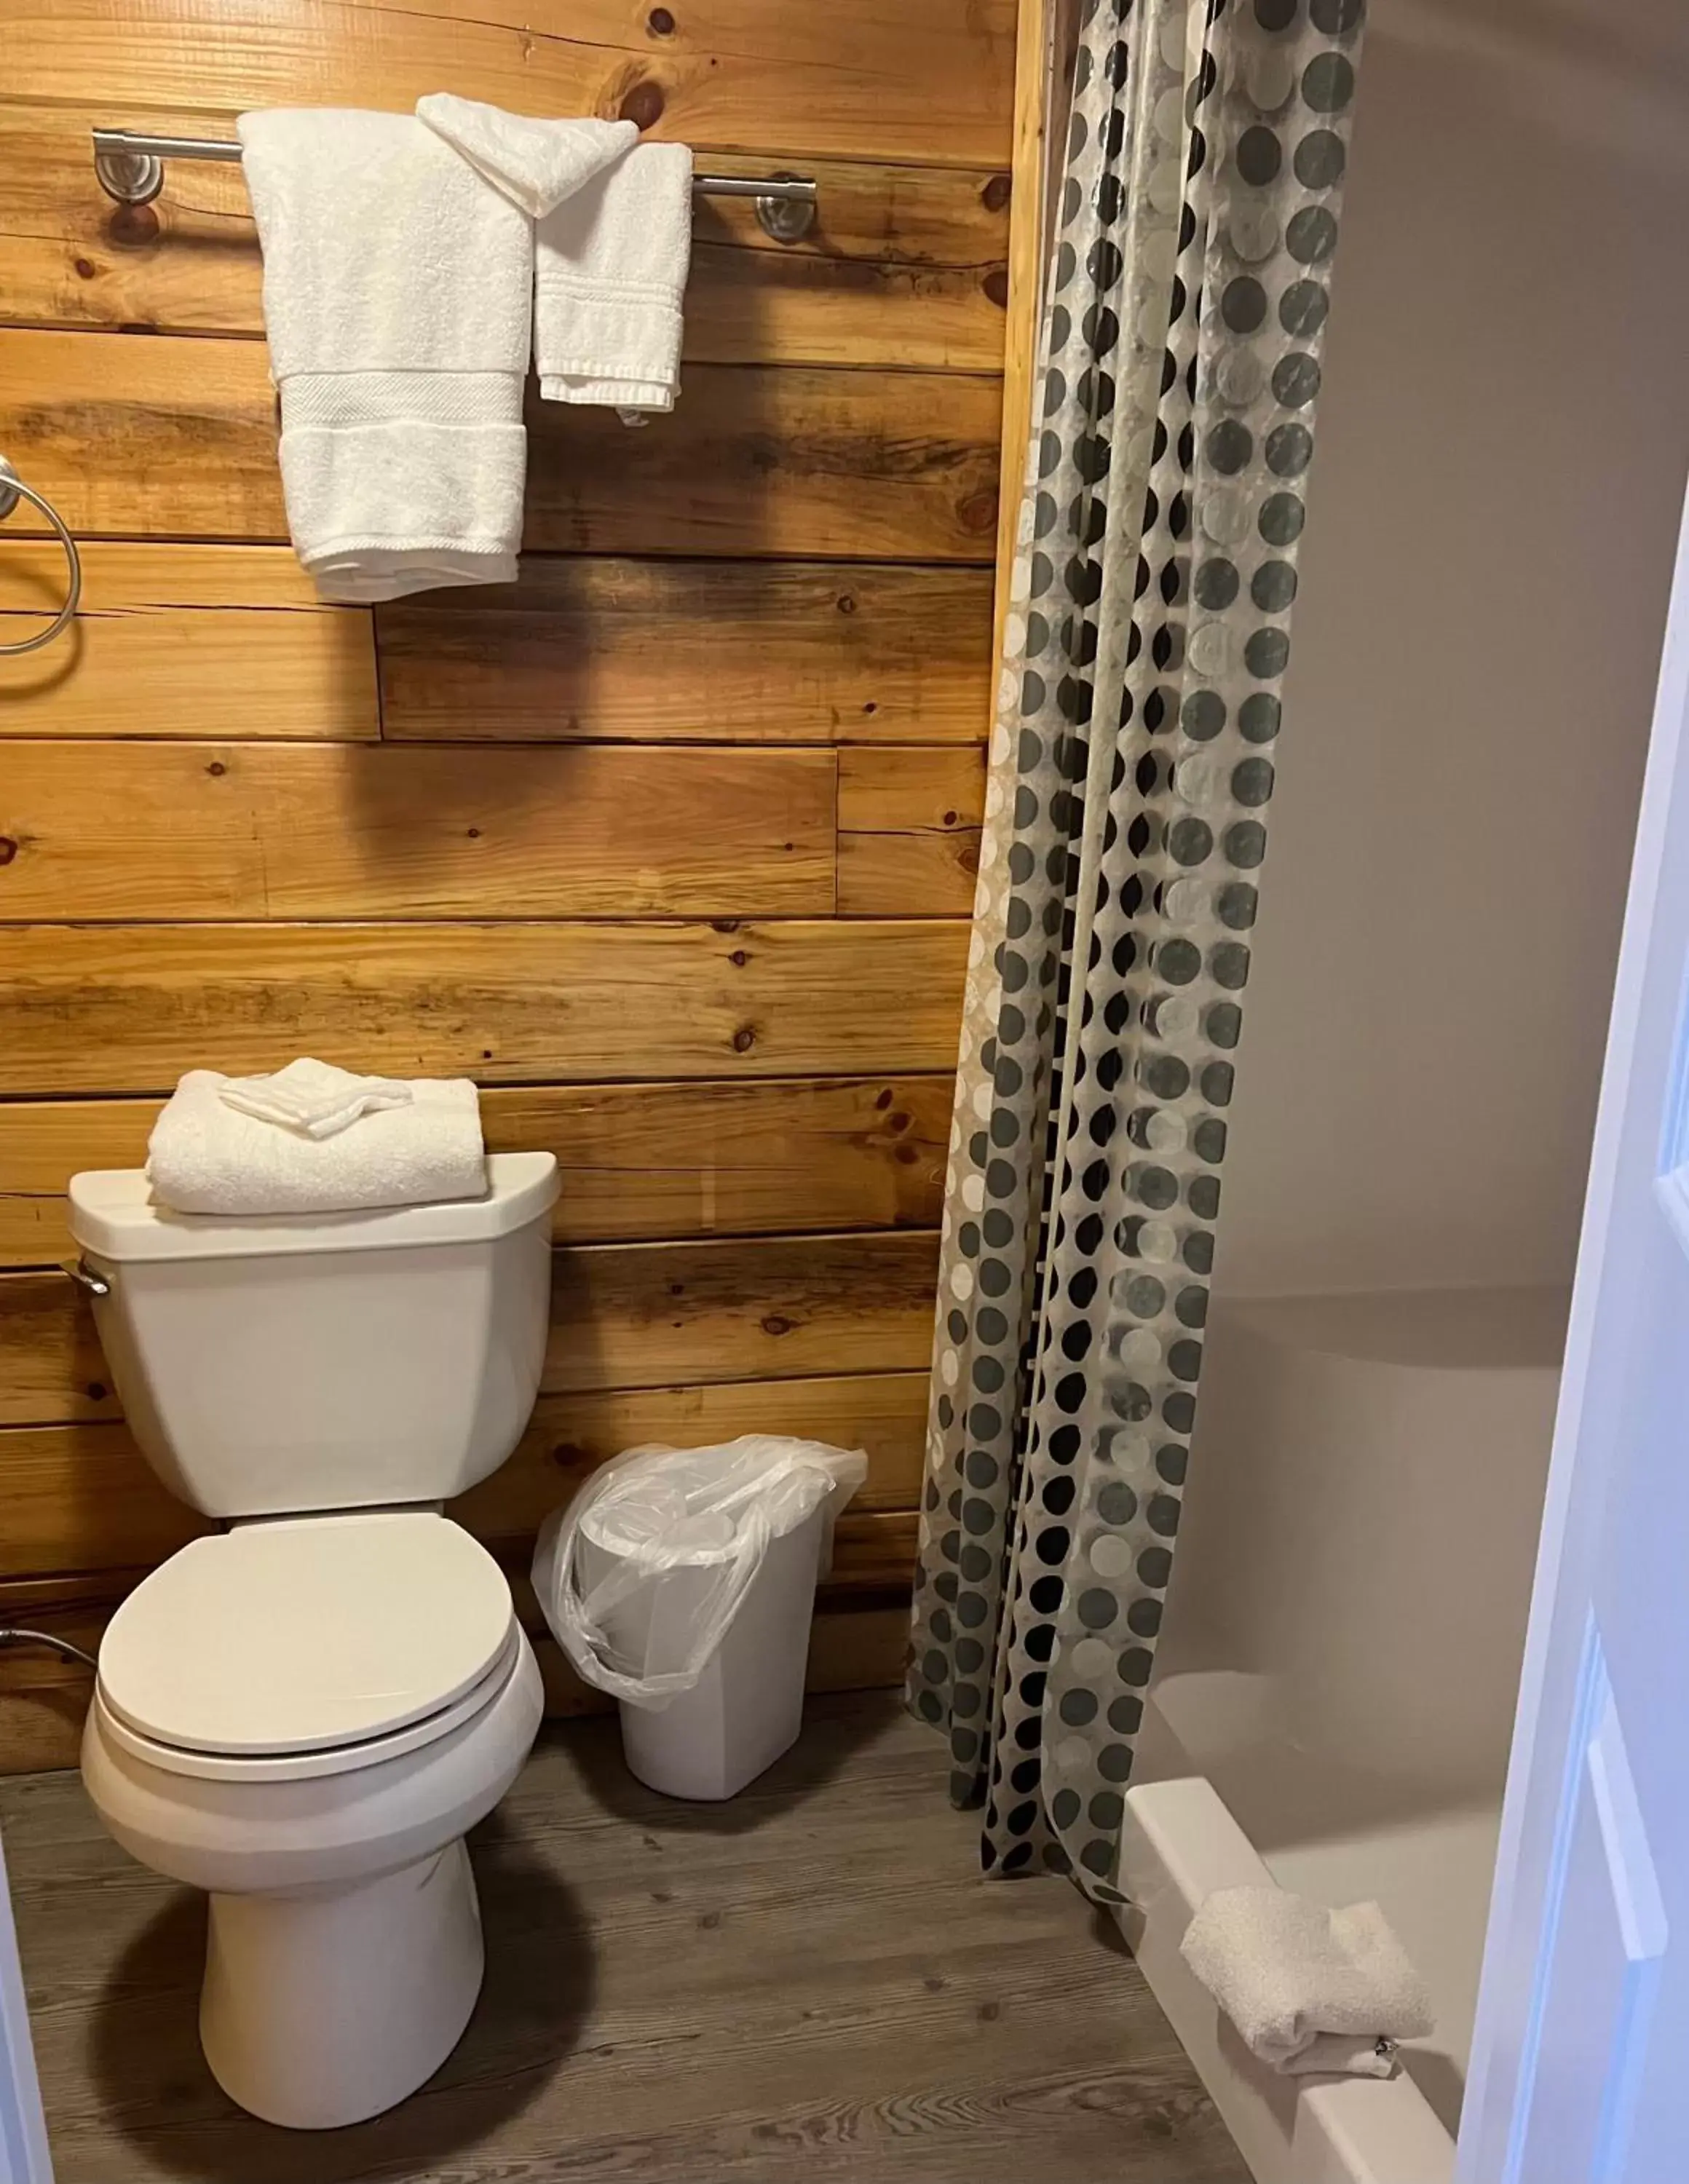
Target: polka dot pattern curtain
[{"x": 1131, "y": 763}]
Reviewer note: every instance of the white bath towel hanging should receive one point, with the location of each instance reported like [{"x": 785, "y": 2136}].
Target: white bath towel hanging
[
  {"x": 1309, "y": 1989},
  {"x": 397, "y": 301},
  {"x": 613, "y": 246}
]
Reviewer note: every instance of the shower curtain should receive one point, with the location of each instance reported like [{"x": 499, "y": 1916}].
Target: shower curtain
[{"x": 1131, "y": 762}]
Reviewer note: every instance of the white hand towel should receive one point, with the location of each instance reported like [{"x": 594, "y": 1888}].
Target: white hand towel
[
  {"x": 313, "y": 1097},
  {"x": 206, "y": 1156},
  {"x": 612, "y": 246},
  {"x": 610, "y": 272},
  {"x": 1309, "y": 1988},
  {"x": 397, "y": 299}
]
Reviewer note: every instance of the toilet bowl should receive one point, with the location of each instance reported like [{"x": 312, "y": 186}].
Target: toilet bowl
[
  {"x": 344, "y": 1950},
  {"x": 303, "y": 1713}
]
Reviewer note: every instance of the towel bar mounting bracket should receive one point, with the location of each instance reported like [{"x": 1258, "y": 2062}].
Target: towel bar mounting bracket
[
  {"x": 785, "y": 218},
  {"x": 133, "y": 178}
]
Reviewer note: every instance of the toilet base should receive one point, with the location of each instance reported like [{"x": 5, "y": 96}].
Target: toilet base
[{"x": 325, "y": 2008}]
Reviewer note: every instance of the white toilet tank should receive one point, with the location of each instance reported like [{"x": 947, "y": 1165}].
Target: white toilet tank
[{"x": 288, "y": 1363}]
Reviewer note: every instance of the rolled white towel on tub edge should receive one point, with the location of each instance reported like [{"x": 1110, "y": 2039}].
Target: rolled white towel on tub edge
[{"x": 1309, "y": 1989}]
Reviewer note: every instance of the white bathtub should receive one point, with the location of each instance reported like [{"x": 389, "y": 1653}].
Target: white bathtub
[{"x": 1335, "y": 1685}]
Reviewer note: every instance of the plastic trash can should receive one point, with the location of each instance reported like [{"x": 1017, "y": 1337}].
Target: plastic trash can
[
  {"x": 682, "y": 1581},
  {"x": 747, "y": 1706}
]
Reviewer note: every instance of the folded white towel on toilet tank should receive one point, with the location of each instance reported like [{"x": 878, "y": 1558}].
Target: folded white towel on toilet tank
[
  {"x": 1309, "y": 1988},
  {"x": 208, "y": 1155}
]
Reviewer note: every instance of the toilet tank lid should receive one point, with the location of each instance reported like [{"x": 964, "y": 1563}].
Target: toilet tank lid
[{"x": 115, "y": 1216}]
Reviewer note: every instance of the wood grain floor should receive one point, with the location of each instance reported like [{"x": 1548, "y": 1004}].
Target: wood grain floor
[{"x": 812, "y": 1983}]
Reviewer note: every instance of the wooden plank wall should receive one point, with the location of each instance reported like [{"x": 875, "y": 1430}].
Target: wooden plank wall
[{"x": 670, "y": 843}]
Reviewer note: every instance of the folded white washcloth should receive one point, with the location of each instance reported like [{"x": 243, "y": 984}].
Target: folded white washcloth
[
  {"x": 313, "y": 1097},
  {"x": 207, "y": 1156},
  {"x": 1309, "y": 1988},
  {"x": 613, "y": 246},
  {"x": 397, "y": 303},
  {"x": 536, "y": 163}
]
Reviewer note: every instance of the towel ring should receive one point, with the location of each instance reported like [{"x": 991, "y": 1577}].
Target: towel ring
[{"x": 12, "y": 491}]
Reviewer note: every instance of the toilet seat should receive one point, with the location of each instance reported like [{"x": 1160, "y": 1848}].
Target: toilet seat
[
  {"x": 332, "y": 1759},
  {"x": 307, "y": 1646}
]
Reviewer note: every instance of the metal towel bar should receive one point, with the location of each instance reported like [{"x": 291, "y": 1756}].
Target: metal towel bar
[{"x": 130, "y": 164}]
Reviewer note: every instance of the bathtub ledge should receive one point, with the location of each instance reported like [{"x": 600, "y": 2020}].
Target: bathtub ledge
[{"x": 1179, "y": 1843}]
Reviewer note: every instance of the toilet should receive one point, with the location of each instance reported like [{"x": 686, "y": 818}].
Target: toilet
[{"x": 303, "y": 1712}]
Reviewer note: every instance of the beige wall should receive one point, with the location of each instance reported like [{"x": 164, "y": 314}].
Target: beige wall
[{"x": 1504, "y": 442}]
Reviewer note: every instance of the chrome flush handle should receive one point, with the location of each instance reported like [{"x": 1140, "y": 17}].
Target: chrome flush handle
[{"x": 85, "y": 1278}]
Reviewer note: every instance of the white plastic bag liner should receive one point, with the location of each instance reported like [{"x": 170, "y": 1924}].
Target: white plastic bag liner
[{"x": 608, "y": 1566}]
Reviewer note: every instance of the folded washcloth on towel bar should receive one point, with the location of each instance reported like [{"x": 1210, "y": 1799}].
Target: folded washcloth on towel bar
[
  {"x": 612, "y": 245},
  {"x": 207, "y": 1155},
  {"x": 1309, "y": 1989}
]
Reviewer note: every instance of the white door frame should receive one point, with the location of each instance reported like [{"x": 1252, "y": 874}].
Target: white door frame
[
  {"x": 1611, "y": 1340},
  {"x": 24, "y": 2156}
]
